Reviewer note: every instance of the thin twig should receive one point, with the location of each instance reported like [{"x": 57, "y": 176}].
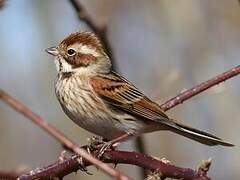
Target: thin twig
[
  {"x": 100, "y": 31},
  {"x": 62, "y": 168},
  {"x": 187, "y": 94},
  {"x": 2, "y": 3},
  {"x": 59, "y": 136}
]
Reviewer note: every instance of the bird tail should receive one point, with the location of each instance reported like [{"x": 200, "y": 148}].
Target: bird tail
[{"x": 195, "y": 134}]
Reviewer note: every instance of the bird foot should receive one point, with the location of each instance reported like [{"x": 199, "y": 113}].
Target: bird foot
[
  {"x": 94, "y": 142},
  {"x": 103, "y": 145},
  {"x": 106, "y": 146}
]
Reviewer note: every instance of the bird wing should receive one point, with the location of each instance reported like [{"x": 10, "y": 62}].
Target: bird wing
[{"x": 118, "y": 92}]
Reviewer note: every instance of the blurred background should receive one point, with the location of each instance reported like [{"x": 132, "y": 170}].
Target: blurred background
[{"x": 162, "y": 46}]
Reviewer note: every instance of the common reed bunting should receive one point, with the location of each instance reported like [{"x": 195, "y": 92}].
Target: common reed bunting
[{"x": 105, "y": 103}]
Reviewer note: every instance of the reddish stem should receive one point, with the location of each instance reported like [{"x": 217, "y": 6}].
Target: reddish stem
[
  {"x": 59, "y": 136},
  {"x": 62, "y": 168},
  {"x": 11, "y": 175},
  {"x": 187, "y": 94}
]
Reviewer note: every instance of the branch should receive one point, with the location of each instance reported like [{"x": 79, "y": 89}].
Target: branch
[
  {"x": 100, "y": 31},
  {"x": 187, "y": 94},
  {"x": 59, "y": 136},
  {"x": 2, "y": 3},
  {"x": 68, "y": 165},
  {"x": 8, "y": 175}
]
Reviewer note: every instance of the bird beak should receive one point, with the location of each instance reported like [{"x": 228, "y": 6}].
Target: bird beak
[{"x": 52, "y": 50}]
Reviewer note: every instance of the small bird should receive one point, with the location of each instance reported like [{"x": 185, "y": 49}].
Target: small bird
[{"x": 102, "y": 101}]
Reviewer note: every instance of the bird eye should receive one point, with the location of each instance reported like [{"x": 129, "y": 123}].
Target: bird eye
[{"x": 71, "y": 52}]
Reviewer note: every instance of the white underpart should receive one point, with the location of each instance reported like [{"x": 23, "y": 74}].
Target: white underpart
[
  {"x": 57, "y": 64},
  {"x": 93, "y": 115},
  {"x": 65, "y": 66}
]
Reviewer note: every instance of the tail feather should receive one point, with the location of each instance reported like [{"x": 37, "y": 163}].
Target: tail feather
[{"x": 195, "y": 134}]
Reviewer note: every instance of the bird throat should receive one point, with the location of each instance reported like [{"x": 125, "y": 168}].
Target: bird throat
[{"x": 66, "y": 74}]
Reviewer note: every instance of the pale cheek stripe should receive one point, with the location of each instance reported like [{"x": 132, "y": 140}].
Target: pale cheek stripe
[{"x": 87, "y": 50}]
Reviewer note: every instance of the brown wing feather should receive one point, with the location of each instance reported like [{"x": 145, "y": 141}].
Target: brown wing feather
[{"x": 117, "y": 91}]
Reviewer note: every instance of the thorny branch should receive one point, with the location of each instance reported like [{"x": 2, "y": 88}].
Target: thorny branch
[
  {"x": 8, "y": 175},
  {"x": 68, "y": 165},
  {"x": 126, "y": 157},
  {"x": 59, "y": 136},
  {"x": 187, "y": 94}
]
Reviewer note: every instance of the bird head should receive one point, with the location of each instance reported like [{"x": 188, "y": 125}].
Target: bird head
[{"x": 80, "y": 52}]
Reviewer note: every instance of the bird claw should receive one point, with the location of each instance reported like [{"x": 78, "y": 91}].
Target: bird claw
[
  {"x": 105, "y": 146},
  {"x": 97, "y": 142},
  {"x": 94, "y": 142}
]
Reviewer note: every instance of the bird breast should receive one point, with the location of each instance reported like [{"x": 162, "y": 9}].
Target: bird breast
[
  {"x": 75, "y": 94},
  {"x": 82, "y": 105}
]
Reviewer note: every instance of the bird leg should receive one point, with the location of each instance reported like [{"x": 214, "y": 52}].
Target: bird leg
[{"x": 109, "y": 144}]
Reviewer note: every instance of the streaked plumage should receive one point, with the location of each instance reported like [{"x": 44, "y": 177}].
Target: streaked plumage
[{"x": 105, "y": 103}]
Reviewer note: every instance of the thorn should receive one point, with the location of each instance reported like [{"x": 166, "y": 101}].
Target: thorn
[
  {"x": 155, "y": 176},
  {"x": 205, "y": 165},
  {"x": 115, "y": 165},
  {"x": 62, "y": 156},
  {"x": 164, "y": 160}
]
